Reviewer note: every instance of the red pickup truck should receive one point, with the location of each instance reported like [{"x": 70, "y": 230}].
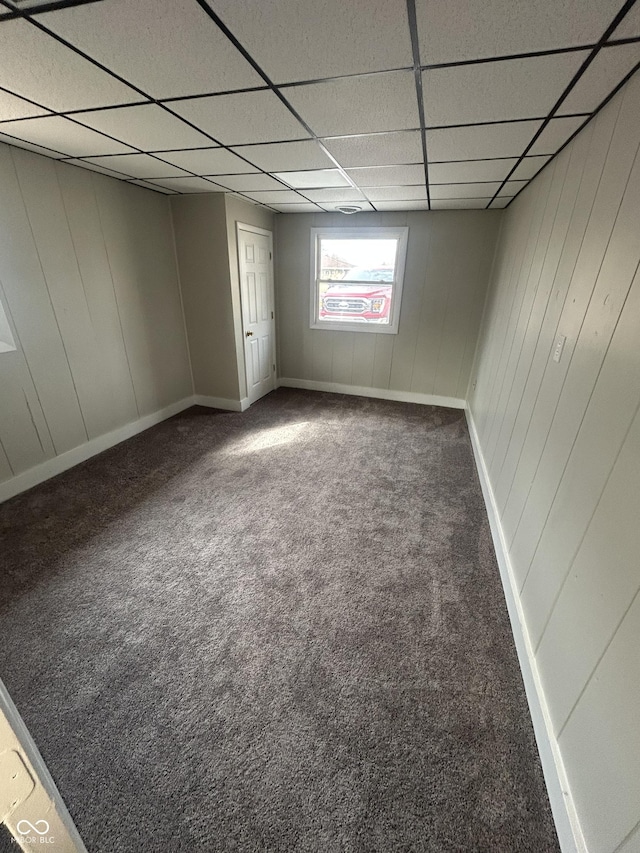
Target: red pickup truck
[{"x": 361, "y": 296}]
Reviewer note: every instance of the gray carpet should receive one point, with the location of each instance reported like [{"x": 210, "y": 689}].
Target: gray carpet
[{"x": 281, "y": 630}]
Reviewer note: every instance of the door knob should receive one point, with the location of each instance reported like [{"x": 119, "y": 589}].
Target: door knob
[{"x": 249, "y": 334}]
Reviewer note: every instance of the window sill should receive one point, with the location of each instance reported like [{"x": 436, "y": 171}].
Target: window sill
[{"x": 370, "y": 328}]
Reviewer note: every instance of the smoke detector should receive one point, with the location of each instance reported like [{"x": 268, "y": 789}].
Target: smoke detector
[{"x": 348, "y": 208}]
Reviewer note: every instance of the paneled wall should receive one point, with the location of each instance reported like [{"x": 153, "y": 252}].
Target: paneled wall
[
  {"x": 561, "y": 441},
  {"x": 448, "y": 260},
  {"x": 205, "y": 229},
  {"x": 201, "y": 242},
  {"x": 89, "y": 283}
]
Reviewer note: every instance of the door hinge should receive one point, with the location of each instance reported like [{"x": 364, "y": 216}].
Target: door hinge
[
  {"x": 269, "y": 255},
  {"x": 272, "y": 315},
  {"x": 274, "y": 367}
]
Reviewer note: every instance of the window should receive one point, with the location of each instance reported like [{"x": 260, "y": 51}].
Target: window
[
  {"x": 356, "y": 278},
  {"x": 7, "y": 344}
]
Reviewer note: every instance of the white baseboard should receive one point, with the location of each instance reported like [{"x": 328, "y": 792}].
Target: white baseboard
[
  {"x": 376, "y": 393},
  {"x": 563, "y": 807},
  {"x": 222, "y": 403},
  {"x": 52, "y": 467},
  {"x": 46, "y": 470}
]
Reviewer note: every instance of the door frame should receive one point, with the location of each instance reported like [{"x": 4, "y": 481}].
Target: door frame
[
  {"x": 47, "y": 801},
  {"x": 254, "y": 229}
]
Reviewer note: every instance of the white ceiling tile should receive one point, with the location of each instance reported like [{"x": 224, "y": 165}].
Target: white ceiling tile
[
  {"x": 530, "y": 166},
  {"x": 609, "y": 67},
  {"x": 395, "y": 193},
  {"x": 248, "y": 200},
  {"x": 95, "y": 167},
  {"x": 464, "y": 190},
  {"x": 556, "y": 134},
  {"x": 512, "y": 188},
  {"x": 402, "y": 205},
  {"x": 174, "y": 47},
  {"x": 149, "y": 127},
  {"x": 358, "y": 104},
  {"x": 314, "y": 178},
  {"x": 331, "y": 207},
  {"x": 138, "y": 166},
  {"x": 189, "y": 185},
  {"x": 28, "y": 146},
  {"x": 248, "y": 183},
  {"x": 470, "y": 171},
  {"x": 11, "y": 106},
  {"x": 341, "y": 194},
  {"x": 40, "y": 68},
  {"x": 153, "y": 187},
  {"x": 242, "y": 118},
  {"x": 385, "y": 176},
  {"x": 378, "y": 149},
  {"x": 276, "y": 197},
  {"x": 286, "y": 156},
  {"x": 472, "y": 29},
  {"x": 64, "y": 135},
  {"x": 306, "y": 40},
  {"x": 480, "y": 141},
  {"x": 629, "y": 27},
  {"x": 459, "y": 203},
  {"x": 500, "y": 201},
  {"x": 297, "y": 208},
  {"x": 19, "y": 4},
  {"x": 497, "y": 91},
  {"x": 207, "y": 161}
]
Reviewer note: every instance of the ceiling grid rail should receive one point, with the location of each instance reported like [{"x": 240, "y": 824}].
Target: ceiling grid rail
[
  {"x": 359, "y": 166},
  {"x": 579, "y": 73}
]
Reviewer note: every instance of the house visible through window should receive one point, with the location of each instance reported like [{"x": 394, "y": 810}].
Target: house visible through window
[{"x": 356, "y": 278}]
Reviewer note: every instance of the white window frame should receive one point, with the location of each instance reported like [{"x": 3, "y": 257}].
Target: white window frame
[{"x": 401, "y": 234}]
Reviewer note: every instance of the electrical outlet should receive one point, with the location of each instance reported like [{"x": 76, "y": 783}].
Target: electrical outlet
[{"x": 557, "y": 353}]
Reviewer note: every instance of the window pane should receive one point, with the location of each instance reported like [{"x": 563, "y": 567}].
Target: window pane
[
  {"x": 356, "y": 280},
  {"x": 358, "y": 260}
]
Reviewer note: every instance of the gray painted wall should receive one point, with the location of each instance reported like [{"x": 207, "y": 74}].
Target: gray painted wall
[
  {"x": 562, "y": 445},
  {"x": 207, "y": 260},
  {"x": 448, "y": 261},
  {"x": 89, "y": 283},
  {"x": 200, "y": 227}
]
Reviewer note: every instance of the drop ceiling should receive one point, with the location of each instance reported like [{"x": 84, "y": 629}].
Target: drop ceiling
[{"x": 304, "y": 105}]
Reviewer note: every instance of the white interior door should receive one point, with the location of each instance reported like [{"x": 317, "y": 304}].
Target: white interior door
[{"x": 255, "y": 256}]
